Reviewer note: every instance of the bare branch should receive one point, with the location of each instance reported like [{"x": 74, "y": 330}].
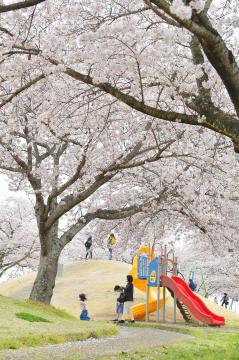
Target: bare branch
[
  {"x": 6, "y": 31},
  {"x": 19, "y": 5},
  {"x": 112, "y": 214},
  {"x": 21, "y": 89},
  {"x": 68, "y": 183}
]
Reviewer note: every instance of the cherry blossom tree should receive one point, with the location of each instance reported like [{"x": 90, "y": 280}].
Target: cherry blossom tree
[
  {"x": 78, "y": 158},
  {"x": 199, "y": 219},
  {"x": 115, "y": 47},
  {"x": 19, "y": 247},
  {"x": 219, "y": 268},
  {"x": 82, "y": 88}
]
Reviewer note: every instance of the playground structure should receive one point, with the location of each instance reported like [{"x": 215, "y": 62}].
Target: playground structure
[
  {"x": 234, "y": 302},
  {"x": 150, "y": 275},
  {"x": 154, "y": 301},
  {"x": 202, "y": 285}
]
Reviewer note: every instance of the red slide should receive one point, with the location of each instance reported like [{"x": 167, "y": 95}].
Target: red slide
[{"x": 194, "y": 304}]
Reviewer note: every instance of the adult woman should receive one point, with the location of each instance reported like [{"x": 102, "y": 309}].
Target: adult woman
[{"x": 128, "y": 299}]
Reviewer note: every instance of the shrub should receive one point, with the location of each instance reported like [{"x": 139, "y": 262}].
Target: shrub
[{"x": 29, "y": 317}]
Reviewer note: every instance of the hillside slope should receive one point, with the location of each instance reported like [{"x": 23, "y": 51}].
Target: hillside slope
[
  {"x": 25, "y": 323},
  {"x": 96, "y": 278}
]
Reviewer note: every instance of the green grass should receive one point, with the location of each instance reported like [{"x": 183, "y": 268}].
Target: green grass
[
  {"x": 206, "y": 345},
  {"x": 30, "y": 317},
  {"x": 16, "y": 332},
  {"x": 185, "y": 331}
]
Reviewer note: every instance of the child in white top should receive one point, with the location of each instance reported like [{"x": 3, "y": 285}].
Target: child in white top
[{"x": 84, "y": 312}]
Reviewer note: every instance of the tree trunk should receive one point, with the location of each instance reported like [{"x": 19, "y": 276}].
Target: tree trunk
[{"x": 44, "y": 283}]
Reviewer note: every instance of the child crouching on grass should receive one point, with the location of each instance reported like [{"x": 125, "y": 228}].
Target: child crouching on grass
[
  {"x": 84, "y": 312},
  {"x": 119, "y": 302}
]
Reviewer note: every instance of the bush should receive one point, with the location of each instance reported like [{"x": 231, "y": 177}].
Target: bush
[{"x": 29, "y": 317}]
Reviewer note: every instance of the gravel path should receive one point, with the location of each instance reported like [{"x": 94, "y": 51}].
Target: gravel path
[{"x": 129, "y": 339}]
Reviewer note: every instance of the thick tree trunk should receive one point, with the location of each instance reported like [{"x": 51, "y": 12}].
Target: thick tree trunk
[{"x": 44, "y": 284}]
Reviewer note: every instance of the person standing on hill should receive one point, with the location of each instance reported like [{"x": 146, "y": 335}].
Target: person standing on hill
[
  {"x": 110, "y": 244},
  {"x": 88, "y": 248},
  {"x": 128, "y": 300},
  {"x": 225, "y": 300}
]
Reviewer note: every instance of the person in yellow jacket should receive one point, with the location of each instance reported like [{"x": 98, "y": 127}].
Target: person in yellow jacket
[{"x": 110, "y": 244}]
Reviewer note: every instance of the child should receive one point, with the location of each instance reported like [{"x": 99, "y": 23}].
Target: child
[
  {"x": 119, "y": 302},
  {"x": 84, "y": 312},
  {"x": 192, "y": 285}
]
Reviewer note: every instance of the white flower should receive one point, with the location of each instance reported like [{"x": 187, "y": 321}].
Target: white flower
[
  {"x": 59, "y": 68},
  {"x": 197, "y": 5},
  {"x": 181, "y": 10},
  {"x": 202, "y": 119},
  {"x": 206, "y": 84}
]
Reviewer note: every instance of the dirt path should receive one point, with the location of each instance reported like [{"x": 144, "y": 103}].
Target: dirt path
[{"x": 129, "y": 339}]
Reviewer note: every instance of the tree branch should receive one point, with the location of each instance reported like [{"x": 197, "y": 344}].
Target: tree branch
[
  {"x": 68, "y": 183},
  {"x": 21, "y": 89},
  {"x": 112, "y": 214},
  {"x": 228, "y": 126},
  {"x": 220, "y": 57},
  {"x": 19, "y": 5}
]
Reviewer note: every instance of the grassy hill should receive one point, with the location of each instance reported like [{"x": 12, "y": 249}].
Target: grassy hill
[
  {"x": 58, "y": 326},
  {"x": 97, "y": 279}
]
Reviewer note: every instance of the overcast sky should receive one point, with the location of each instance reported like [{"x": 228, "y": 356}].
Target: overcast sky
[{"x": 5, "y": 193}]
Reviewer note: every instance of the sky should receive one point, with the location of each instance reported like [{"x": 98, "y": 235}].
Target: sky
[{"x": 5, "y": 192}]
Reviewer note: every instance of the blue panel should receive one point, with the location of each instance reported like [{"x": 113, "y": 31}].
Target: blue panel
[{"x": 142, "y": 266}]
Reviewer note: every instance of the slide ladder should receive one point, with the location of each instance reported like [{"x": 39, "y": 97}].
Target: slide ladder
[
  {"x": 184, "y": 311},
  {"x": 181, "y": 307}
]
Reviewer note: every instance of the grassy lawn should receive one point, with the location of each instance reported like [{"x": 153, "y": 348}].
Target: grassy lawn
[
  {"x": 22, "y": 323},
  {"x": 28, "y": 327},
  {"x": 103, "y": 275},
  {"x": 17, "y": 331},
  {"x": 207, "y": 345}
]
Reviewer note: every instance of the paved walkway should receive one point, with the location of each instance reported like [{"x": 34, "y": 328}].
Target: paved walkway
[{"x": 129, "y": 339}]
